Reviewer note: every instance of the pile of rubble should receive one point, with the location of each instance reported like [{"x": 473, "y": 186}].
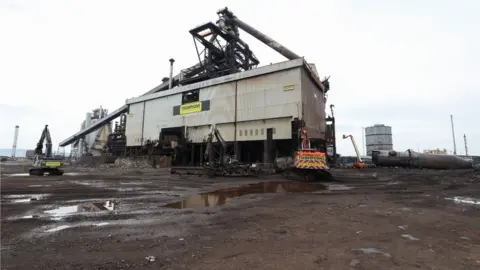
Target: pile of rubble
[{"x": 125, "y": 164}]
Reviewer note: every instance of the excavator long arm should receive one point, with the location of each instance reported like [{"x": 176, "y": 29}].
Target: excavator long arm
[
  {"x": 48, "y": 142},
  {"x": 214, "y": 133},
  {"x": 45, "y": 137}
]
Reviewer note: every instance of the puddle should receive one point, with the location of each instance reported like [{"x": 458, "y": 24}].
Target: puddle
[
  {"x": 337, "y": 187},
  {"x": 128, "y": 189},
  {"x": 393, "y": 183},
  {"x": 465, "y": 200},
  {"x": 224, "y": 196},
  {"x": 59, "y": 228},
  {"x": 135, "y": 183},
  {"x": 102, "y": 224},
  {"x": 22, "y": 198},
  {"x": 26, "y": 174},
  {"x": 410, "y": 237},
  {"x": 81, "y": 208},
  {"x": 374, "y": 250}
]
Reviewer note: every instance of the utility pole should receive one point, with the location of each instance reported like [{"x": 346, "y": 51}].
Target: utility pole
[
  {"x": 465, "y": 141},
  {"x": 453, "y": 135},
  {"x": 363, "y": 141}
]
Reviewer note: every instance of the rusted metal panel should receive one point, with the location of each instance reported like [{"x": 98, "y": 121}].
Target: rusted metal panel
[{"x": 313, "y": 107}]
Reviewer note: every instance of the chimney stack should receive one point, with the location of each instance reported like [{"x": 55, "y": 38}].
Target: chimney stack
[
  {"x": 171, "y": 73},
  {"x": 15, "y": 139}
]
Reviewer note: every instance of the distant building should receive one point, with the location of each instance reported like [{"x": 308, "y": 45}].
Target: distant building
[
  {"x": 94, "y": 142},
  {"x": 436, "y": 151}
]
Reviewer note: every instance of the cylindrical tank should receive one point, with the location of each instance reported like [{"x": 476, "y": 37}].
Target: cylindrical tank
[
  {"x": 413, "y": 159},
  {"x": 441, "y": 162},
  {"x": 390, "y": 158},
  {"x": 378, "y": 137}
]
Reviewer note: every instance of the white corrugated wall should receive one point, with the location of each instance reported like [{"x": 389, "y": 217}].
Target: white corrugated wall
[{"x": 267, "y": 101}]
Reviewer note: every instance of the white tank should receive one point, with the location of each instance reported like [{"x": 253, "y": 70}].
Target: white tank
[{"x": 378, "y": 137}]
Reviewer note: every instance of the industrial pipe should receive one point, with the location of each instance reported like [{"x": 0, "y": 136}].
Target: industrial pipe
[
  {"x": 171, "y": 73},
  {"x": 413, "y": 159},
  {"x": 15, "y": 139},
  {"x": 453, "y": 135},
  {"x": 265, "y": 39}
]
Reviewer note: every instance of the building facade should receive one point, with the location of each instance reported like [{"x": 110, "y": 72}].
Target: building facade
[{"x": 242, "y": 106}]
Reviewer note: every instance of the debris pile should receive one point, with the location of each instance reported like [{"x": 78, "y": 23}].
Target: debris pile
[
  {"x": 124, "y": 163},
  {"x": 127, "y": 163}
]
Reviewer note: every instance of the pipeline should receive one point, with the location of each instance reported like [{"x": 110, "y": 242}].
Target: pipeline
[{"x": 412, "y": 159}]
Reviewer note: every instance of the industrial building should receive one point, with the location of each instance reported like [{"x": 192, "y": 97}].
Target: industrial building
[
  {"x": 93, "y": 143},
  {"x": 243, "y": 106},
  {"x": 258, "y": 110},
  {"x": 378, "y": 137}
]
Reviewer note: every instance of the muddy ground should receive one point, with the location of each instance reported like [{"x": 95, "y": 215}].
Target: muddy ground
[{"x": 134, "y": 219}]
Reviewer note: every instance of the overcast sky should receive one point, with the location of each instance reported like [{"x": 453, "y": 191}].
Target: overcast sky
[{"x": 404, "y": 63}]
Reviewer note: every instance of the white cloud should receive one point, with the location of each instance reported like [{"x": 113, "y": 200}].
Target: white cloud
[{"x": 408, "y": 64}]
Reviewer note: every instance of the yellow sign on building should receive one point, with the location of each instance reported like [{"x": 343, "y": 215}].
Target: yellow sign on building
[{"x": 192, "y": 107}]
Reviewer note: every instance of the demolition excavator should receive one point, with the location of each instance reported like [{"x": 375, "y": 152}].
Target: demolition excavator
[
  {"x": 216, "y": 162},
  {"x": 45, "y": 162}
]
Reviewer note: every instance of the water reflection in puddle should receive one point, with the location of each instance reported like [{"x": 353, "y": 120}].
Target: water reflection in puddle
[
  {"x": 22, "y": 198},
  {"x": 86, "y": 207},
  {"x": 26, "y": 174},
  {"x": 374, "y": 250},
  {"x": 465, "y": 200},
  {"x": 223, "y": 196},
  {"x": 59, "y": 228},
  {"x": 101, "y": 224}
]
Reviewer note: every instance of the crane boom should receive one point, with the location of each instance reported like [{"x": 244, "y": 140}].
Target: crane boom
[{"x": 359, "y": 158}]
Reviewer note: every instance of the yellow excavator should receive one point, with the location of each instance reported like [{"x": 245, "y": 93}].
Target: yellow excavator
[{"x": 359, "y": 164}]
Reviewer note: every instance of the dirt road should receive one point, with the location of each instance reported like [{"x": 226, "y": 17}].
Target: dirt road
[{"x": 371, "y": 219}]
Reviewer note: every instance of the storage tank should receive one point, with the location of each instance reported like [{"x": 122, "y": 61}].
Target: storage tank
[{"x": 378, "y": 137}]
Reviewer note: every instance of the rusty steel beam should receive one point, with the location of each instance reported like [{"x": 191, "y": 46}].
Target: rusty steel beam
[{"x": 270, "y": 42}]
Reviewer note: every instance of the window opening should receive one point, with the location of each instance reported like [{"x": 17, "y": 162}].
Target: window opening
[{"x": 190, "y": 96}]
